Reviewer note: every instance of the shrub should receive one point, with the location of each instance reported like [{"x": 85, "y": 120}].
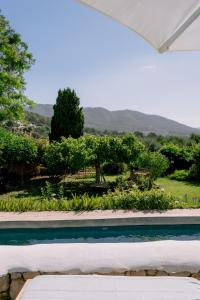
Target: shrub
[
  {"x": 135, "y": 199},
  {"x": 130, "y": 199},
  {"x": 180, "y": 175}
]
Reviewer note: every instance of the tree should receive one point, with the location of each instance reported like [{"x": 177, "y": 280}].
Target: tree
[
  {"x": 156, "y": 163},
  {"x": 14, "y": 61},
  {"x": 69, "y": 155},
  {"x": 19, "y": 150},
  {"x": 179, "y": 157},
  {"x": 68, "y": 119},
  {"x": 131, "y": 149},
  {"x": 195, "y": 170}
]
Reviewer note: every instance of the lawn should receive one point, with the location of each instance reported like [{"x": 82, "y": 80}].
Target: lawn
[{"x": 188, "y": 193}]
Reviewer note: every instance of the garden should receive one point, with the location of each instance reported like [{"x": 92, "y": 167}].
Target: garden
[
  {"x": 76, "y": 169},
  {"x": 97, "y": 173}
]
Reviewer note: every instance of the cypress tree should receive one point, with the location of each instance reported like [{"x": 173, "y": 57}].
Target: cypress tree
[{"x": 68, "y": 118}]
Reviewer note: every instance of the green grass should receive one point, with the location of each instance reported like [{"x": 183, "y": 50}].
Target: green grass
[{"x": 187, "y": 193}]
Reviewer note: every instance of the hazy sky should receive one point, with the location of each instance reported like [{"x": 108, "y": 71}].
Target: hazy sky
[{"x": 107, "y": 64}]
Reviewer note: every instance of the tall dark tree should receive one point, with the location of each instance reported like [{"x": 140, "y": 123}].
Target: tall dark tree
[
  {"x": 14, "y": 61},
  {"x": 68, "y": 118}
]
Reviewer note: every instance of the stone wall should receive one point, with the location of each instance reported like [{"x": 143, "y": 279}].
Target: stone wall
[{"x": 11, "y": 284}]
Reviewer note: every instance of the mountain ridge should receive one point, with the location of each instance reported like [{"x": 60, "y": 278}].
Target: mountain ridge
[{"x": 125, "y": 121}]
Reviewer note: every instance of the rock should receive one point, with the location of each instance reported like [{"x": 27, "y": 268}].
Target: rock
[
  {"x": 180, "y": 274},
  {"x": 15, "y": 287},
  {"x": 162, "y": 273},
  {"x": 30, "y": 275},
  {"x": 16, "y": 275},
  {"x": 151, "y": 272},
  {"x": 4, "y": 296},
  {"x": 4, "y": 283},
  {"x": 53, "y": 273},
  {"x": 139, "y": 273},
  {"x": 196, "y": 275}
]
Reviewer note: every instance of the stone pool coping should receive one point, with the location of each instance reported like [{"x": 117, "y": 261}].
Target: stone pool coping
[
  {"x": 161, "y": 258},
  {"x": 98, "y": 218}
]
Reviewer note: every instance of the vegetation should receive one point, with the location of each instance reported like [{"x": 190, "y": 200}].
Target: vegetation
[
  {"x": 70, "y": 172},
  {"x": 187, "y": 194},
  {"x": 68, "y": 119},
  {"x": 60, "y": 197},
  {"x": 14, "y": 61}
]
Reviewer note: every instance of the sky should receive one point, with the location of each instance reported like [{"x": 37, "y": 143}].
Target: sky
[{"x": 107, "y": 64}]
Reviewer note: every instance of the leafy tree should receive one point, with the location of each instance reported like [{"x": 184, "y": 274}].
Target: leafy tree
[
  {"x": 19, "y": 150},
  {"x": 14, "y": 61},
  {"x": 68, "y": 119},
  {"x": 195, "y": 138},
  {"x": 53, "y": 159},
  {"x": 74, "y": 153},
  {"x": 156, "y": 163},
  {"x": 99, "y": 153},
  {"x": 195, "y": 171},
  {"x": 179, "y": 157},
  {"x": 101, "y": 150},
  {"x": 131, "y": 149},
  {"x": 69, "y": 155}
]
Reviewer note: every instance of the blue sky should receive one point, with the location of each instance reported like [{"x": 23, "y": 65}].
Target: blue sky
[{"x": 107, "y": 64}]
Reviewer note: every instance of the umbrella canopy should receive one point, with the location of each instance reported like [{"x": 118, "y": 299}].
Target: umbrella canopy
[{"x": 168, "y": 25}]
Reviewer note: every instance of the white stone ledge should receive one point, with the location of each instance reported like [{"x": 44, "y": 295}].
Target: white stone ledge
[{"x": 169, "y": 256}]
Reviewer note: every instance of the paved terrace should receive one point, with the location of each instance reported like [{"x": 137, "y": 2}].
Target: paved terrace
[{"x": 97, "y": 218}]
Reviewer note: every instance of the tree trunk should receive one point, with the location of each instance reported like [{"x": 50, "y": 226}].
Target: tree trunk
[
  {"x": 131, "y": 173},
  {"x": 22, "y": 175},
  {"x": 98, "y": 173}
]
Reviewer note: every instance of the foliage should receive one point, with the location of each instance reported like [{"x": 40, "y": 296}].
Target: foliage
[
  {"x": 101, "y": 150},
  {"x": 156, "y": 163},
  {"x": 70, "y": 155},
  {"x": 131, "y": 199},
  {"x": 20, "y": 149},
  {"x": 180, "y": 175},
  {"x": 179, "y": 157},
  {"x": 68, "y": 119},
  {"x": 50, "y": 191},
  {"x": 195, "y": 170},
  {"x": 132, "y": 148},
  {"x": 14, "y": 61},
  {"x": 53, "y": 159},
  {"x": 17, "y": 148}
]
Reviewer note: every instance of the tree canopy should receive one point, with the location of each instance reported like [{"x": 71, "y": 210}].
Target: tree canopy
[
  {"x": 15, "y": 59},
  {"x": 68, "y": 119}
]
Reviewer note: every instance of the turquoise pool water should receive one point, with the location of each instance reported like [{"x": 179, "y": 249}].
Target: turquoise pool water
[{"x": 121, "y": 234}]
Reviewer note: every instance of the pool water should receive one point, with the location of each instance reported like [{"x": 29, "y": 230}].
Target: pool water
[{"x": 121, "y": 234}]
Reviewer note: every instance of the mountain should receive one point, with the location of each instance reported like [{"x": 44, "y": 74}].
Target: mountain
[{"x": 124, "y": 121}]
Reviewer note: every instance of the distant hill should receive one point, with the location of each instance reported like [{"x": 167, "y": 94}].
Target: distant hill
[{"x": 124, "y": 121}]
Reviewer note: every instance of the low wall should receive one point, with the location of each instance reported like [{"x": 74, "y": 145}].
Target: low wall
[
  {"x": 11, "y": 284},
  {"x": 162, "y": 258}
]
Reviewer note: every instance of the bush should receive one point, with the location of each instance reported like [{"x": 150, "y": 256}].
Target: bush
[
  {"x": 135, "y": 199},
  {"x": 180, "y": 175}
]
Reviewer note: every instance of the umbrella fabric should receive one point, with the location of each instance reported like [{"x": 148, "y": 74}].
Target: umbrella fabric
[{"x": 168, "y": 25}]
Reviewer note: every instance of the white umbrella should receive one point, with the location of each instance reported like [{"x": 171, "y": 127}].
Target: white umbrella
[{"x": 168, "y": 25}]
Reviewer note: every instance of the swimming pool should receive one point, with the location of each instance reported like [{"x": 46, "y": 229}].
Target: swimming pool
[{"x": 115, "y": 234}]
